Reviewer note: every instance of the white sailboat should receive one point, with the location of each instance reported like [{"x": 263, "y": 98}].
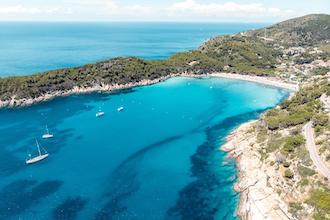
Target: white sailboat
[
  {"x": 47, "y": 135},
  {"x": 99, "y": 113},
  {"x": 38, "y": 158},
  {"x": 120, "y": 109}
]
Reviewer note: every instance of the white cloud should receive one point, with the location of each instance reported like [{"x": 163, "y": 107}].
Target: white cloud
[
  {"x": 192, "y": 10},
  {"x": 113, "y": 8},
  {"x": 19, "y": 9},
  {"x": 230, "y": 10},
  {"x": 22, "y": 10},
  {"x": 193, "y": 6},
  {"x": 185, "y": 10}
]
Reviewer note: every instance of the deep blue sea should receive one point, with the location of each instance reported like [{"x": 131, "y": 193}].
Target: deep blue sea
[
  {"x": 159, "y": 159},
  {"x": 27, "y": 48}
]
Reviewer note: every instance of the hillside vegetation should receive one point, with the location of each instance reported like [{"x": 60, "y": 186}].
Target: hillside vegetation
[
  {"x": 242, "y": 54},
  {"x": 309, "y": 30},
  {"x": 279, "y": 132}
]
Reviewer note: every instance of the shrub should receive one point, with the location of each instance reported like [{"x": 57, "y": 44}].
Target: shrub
[
  {"x": 288, "y": 174},
  {"x": 261, "y": 135},
  {"x": 321, "y": 120},
  {"x": 318, "y": 129},
  {"x": 320, "y": 199},
  {"x": 304, "y": 182},
  {"x": 305, "y": 171},
  {"x": 295, "y": 206},
  {"x": 273, "y": 122},
  {"x": 286, "y": 164},
  {"x": 327, "y": 157},
  {"x": 274, "y": 143},
  {"x": 321, "y": 70},
  {"x": 296, "y": 130},
  {"x": 272, "y": 112},
  {"x": 293, "y": 142}
]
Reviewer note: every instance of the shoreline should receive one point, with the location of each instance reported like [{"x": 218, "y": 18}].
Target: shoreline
[
  {"x": 14, "y": 103},
  {"x": 269, "y": 81},
  {"x": 257, "y": 199}
]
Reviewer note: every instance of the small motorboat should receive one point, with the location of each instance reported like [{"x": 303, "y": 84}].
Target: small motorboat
[
  {"x": 38, "y": 158},
  {"x": 120, "y": 109}
]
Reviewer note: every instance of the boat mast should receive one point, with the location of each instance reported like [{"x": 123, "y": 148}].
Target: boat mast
[
  {"x": 38, "y": 147},
  {"x": 47, "y": 129}
]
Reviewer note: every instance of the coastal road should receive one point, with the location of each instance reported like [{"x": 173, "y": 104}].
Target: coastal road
[{"x": 313, "y": 152}]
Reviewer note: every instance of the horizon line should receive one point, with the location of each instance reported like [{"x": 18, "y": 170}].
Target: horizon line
[{"x": 131, "y": 21}]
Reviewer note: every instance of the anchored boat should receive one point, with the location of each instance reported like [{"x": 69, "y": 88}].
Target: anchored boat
[
  {"x": 99, "y": 113},
  {"x": 47, "y": 135},
  {"x": 38, "y": 158}
]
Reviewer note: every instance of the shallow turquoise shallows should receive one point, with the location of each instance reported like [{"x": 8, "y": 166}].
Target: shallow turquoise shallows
[
  {"x": 29, "y": 47},
  {"x": 157, "y": 159}
]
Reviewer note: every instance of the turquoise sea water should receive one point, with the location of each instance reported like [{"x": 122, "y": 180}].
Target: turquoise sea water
[
  {"x": 27, "y": 48},
  {"x": 158, "y": 159}
]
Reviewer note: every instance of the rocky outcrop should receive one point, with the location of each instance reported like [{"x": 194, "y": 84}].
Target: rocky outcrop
[{"x": 258, "y": 200}]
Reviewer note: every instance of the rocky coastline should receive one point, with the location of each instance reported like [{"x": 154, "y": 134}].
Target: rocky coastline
[
  {"x": 13, "y": 102},
  {"x": 258, "y": 200}
]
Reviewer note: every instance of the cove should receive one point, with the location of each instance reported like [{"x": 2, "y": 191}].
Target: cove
[{"x": 158, "y": 159}]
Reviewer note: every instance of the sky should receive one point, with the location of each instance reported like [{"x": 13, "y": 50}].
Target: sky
[{"x": 157, "y": 10}]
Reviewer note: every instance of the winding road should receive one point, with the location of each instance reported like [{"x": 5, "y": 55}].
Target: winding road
[{"x": 313, "y": 152}]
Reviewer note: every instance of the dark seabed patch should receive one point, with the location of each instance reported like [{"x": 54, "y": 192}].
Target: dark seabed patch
[
  {"x": 69, "y": 209},
  {"x": 123, "y": 183},
  {"x": 202, "y": 198},
  {"x": 20, "y": 195}
]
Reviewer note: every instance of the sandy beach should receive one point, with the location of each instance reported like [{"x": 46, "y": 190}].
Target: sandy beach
[{"x": 270, "y": 81}]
